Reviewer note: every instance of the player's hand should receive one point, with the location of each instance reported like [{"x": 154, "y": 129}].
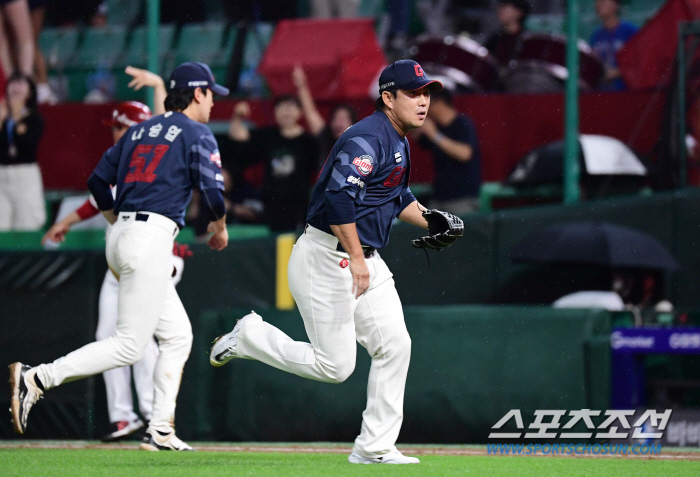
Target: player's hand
[
  {"x": 360, "y": 276},
  {"x": 219, "y": 240},
  {"x": 299, "y": 77},
  {"x": 57, "y": 233},
  {"x": 142, "y": 78},
  {"x": 242, "y": 110}
]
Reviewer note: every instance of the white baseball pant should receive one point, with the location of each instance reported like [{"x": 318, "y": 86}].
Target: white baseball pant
[
  {"x": 140, "y": 252},
  {"x": 21, "y": 197},
  {"x": 321, "y": 284},
  {"x": 120, "y": 406}
]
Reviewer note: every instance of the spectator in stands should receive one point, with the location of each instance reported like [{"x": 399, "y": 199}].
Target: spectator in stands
[
  {"x": 608, "y": 39},
  {"x": 37, "y": 11},
  {"x": 504, "y": 44},
  {"x": 289, "y": 157},
  {"x": 334, "y": 8},
  {"x": 342, "y": 117},
  {"x": 452, "y": 138},
  {"x": 18, "y": 54},
  {"x": 21, "y": 189}
]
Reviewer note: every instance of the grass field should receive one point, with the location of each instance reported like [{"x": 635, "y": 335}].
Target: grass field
[{"x": 90, "y": 459}]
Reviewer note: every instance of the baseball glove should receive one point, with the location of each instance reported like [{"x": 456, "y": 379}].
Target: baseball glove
[{"x": 443, "y": 229}]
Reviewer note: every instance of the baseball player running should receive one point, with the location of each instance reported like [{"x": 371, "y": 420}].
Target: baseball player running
[
  {"x": 155, "y": 166},
  {"x": 344, "y": 290},
  {"x": 123, "y": 420}
]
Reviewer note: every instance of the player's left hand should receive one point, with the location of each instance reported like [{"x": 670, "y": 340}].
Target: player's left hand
[
  {"x": 443, "y": 229},
  {"x": 142, "y": 78}
]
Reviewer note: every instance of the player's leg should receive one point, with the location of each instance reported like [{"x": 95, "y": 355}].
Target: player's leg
[
  {"x": 381, "y": 330},
  {"x": 323, "y": 293},
  {"x": 123, "y": 420},
  {"x": 143, "y": 378},
  {"x": 174, "y": 334}
]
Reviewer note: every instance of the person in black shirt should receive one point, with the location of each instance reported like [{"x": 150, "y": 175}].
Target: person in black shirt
[
  {"x": 452, "y": 138},
  {"x": 503, "y": 45},
  {"x": 342, "y": 116},
  {"x": 290, "y": 159},
  {"x": 21, "y": 188}
]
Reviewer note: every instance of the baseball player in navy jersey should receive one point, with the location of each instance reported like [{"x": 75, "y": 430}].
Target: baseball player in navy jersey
[
  {"x": 123, "y": 420},
  {"x": 154, "y": 166},
  {"x": 344, "y": 290}
]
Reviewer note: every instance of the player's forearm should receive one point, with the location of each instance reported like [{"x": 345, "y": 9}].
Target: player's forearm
[
  {"x": 109, "y": 215},
  {"x": 159, "y": 94},
  {"x": 413, "y": 214},
  {"x": 348, "y": 238},
  {"x": 70, "y": 219}
]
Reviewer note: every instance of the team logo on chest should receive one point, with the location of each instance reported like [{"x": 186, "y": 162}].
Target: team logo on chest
[{"x": 364, "y": 164}]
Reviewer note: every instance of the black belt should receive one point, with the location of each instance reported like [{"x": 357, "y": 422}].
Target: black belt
[{"x": 366, "y": 249}]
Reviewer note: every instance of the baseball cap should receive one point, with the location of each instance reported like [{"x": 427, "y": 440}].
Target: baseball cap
[
  {"x": 195, "y": 75},
  {"x": 128, "y": 113},
  {"x": 407, "y": 75}
]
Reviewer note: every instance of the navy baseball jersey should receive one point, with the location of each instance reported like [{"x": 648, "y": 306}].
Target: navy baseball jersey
[
  {"x": 157, "y": 163},
  {"x": 371, "y": 163}
]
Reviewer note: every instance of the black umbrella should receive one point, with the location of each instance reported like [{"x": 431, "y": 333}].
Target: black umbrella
[{"x": 594, "y": 243}]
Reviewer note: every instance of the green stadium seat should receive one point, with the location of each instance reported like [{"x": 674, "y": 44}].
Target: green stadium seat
[
  {"x": 101, "y": 47},
  {"x": 200, "y": 42},
  {"x": 59, "y": 46},
  {"x": 137, "y": 53}
]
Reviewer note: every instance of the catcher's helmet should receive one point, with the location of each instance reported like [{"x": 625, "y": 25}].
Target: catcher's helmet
[{"x": 128, "y": 113}]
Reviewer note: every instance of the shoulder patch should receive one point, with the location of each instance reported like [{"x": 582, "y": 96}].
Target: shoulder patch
[{"x": 364, "y": 164}]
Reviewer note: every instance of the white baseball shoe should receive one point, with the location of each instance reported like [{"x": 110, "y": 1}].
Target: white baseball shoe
[
  {"x": 157, "y": 441},
  {"x": 223, "y": 348},
  {"x": 393, "y": 457},
  {"x": 25, "y": 393},
  {"x": 122, "y": 429}
]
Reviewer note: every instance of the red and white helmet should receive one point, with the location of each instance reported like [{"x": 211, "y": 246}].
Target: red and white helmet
[{"x": 129, "y": 113}]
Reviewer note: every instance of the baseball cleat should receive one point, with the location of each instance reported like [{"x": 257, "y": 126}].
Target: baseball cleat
[
  {"x": 157, "y": 441},
  {"x": 25, "y": 393},
  {"x": 223, "y": 348},
  {"x": 120, "y": 430},
  {"x": 393, "y": 457}
]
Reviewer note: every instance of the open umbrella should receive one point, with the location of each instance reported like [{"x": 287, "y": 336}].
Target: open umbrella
[
  {"x": 598, "y": 156},
  {"x": 594, "y": 243}
]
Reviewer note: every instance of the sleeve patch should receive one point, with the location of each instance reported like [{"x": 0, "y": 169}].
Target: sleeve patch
[
  {"x": 364, "y": 164},
  {"x": 356, "y": 180},
  {"x": 215, "y": 157}
]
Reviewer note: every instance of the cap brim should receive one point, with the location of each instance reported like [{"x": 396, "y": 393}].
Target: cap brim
[
  {"x": 220, "y": 90},
  {"x": 433, "y": 85}
]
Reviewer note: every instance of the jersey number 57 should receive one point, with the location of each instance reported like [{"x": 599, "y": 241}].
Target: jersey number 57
[{"x": 138, "y": 162}]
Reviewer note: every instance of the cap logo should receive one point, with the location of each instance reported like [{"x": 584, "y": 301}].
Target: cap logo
[
  {"x": 172, "y": 84},
  {"x": 419, "y": 70},
  {"x": 197, "y": 83}
]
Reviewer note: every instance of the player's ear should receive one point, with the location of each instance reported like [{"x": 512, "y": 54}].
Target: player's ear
[
  {"x": 388, "y": 99},
  {"x": 199, "y": 95}
]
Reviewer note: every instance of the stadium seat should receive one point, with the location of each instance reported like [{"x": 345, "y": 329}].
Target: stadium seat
[
  {"x": 101, "y": 47},
  {"x": 200, "y": 42},
  {"x": 137, "y": 54},
  {"x": 59, "y": 46}
]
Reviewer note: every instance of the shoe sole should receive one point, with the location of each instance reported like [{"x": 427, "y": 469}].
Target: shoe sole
[{"x": 15, "y": 380}]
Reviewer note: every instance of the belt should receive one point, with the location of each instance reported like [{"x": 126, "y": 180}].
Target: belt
[
  {"x": 156, "y": 219},
  {"x": 366, "y": 249}
]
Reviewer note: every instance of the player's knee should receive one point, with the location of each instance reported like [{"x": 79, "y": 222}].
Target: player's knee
[
  {"x": 401, "y": 345},
  {"x": 341, "y": 372},
  {"x": 129, "y": 351}
]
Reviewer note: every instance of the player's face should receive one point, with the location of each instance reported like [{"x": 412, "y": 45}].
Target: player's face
[
  {"x": 118, "y": 131},
  {"x": 410, "y": 108}
]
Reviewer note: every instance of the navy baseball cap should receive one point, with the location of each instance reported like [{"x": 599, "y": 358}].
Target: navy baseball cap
[
  {"x": 195, "y": 75},
  {"x": 406, "y": 75}
]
